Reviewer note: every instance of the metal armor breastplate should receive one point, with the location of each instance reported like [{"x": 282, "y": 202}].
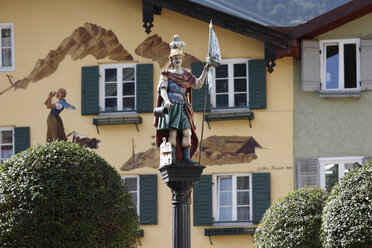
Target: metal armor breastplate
[{"x": 176, "y": 93}]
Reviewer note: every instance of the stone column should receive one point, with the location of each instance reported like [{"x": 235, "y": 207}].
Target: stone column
[{"x": 181, "y": 178}]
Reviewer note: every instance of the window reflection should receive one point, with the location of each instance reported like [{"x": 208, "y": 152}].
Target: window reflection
[
  {"x": 349, "y": 167},
  {"x": 131, "y": 183},
  {"x": 331, "y": 175},
  {"x": 225, "y": 199},
  {"x": 332, "y": 57}
]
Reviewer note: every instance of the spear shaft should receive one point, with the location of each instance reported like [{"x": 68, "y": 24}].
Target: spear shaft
[
  {"x": 213, "y": 59},
  {"x": 202, "y": 131}
]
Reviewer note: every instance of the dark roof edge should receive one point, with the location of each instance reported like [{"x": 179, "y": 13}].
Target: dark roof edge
[
  {"x": 332, "y": 19},
  {"x": 224, "y": 20}
]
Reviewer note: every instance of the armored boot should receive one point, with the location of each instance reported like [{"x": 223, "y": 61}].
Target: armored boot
[
  {"x": 186, "y": 151},
  {"x": 174, "y": 154}
]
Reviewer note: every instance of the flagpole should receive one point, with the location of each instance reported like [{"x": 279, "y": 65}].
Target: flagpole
[
  {"x": 205, "y": 105},
  {"x": 202, "y": 131}
]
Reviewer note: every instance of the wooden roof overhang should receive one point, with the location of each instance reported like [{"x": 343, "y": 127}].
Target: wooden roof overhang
[
  {"x": 322, "y": 24},
  {"x": 279, "y": 41},
  {"x": 273, "y": 38},
  {"x": 332, "y": 19}
]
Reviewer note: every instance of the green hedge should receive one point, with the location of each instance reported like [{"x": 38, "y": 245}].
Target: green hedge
[
  {"x": 63, "y": 195},
  {"x": 347, "y": 216},
  {"x": 293, "y": 221}
]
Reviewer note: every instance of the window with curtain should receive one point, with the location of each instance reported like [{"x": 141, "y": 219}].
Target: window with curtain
[
  {"x": 6, "y": 143},
  {"x": 6, "y": 46},
  {"x": 230, "y": 89},
  {"x": 132, "y": 183},
  {"x": 233, "y": 198},
  {"x": 117, "y": 87}
]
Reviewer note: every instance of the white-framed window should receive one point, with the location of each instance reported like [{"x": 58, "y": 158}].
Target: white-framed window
[
  {"x": 132, "y": 183},
  {"x": 117, "y": 87},
  {"x": 230, "y": 84},
  {"x": 331, "y": 170},
  {"x": 6, "y": 47},
  {"x": 340, "y": 65},
  {"x": 6, "y": 143},
  {"x": 232, "y": 198}
]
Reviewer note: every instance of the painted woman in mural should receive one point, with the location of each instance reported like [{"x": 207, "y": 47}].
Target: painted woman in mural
[
  {"x": 174, "y": 94},
  {"x": 56, "y": 130}
]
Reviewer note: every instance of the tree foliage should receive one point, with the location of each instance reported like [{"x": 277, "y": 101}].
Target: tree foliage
[
  {"x": 293, "y": 221},
  {"x": 63, "y": 195},
  {"x": 347, "y": 216}
]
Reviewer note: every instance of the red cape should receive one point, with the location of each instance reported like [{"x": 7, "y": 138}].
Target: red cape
[{"x": 185, "y": 80}]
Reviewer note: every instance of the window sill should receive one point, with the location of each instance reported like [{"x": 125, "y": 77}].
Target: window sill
[
  {"x": 232, "y": 109},
  {"x": 340, "y": 93},
  {"x": 232, "y": 223},
  {"x": 116, "y": 120},
  {"x": 131, "y": 112},
  {"x": 7, "y": 68}
]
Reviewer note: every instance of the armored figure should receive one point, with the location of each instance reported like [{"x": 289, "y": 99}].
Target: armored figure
[{"x": 174, "y": 96}]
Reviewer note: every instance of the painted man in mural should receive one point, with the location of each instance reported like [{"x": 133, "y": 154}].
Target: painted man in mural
[
  {"x": 56, "y": 130},
  {"x": 174, "y": 94}
]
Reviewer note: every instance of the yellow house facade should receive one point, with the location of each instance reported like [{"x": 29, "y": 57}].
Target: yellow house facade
[{"x": 100, "y": 53}]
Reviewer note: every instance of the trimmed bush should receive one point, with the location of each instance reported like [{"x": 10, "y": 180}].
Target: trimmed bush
[
  {"x": 63, "y": 195},
  {"x": 347, "y": 215},
  {"x": 293, "y": 221}
]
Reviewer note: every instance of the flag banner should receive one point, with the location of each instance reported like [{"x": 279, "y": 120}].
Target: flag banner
[
  {"x": 209, "y": 81},
  {"x": 214, "y": 60},
  {"x": 214, "y": 55}
]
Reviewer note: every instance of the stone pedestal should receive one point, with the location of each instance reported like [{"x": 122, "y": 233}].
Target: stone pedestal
[{"x": 181, "y": 178}]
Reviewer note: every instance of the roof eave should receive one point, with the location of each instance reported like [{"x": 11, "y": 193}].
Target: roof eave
[
  {"x": 332, "y": 19},
  {"x": 224, "y": 20}
]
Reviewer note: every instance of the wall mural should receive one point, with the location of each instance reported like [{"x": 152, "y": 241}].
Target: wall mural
[
  {"x": 217, "y": 150},
  {"x": 94, "y": 40},
  {"x": 89, "y": 39},
  {"x": 56, "y": 130},
  {"x": 55, "y": 127},
  {"x": 158, "y": 50}
]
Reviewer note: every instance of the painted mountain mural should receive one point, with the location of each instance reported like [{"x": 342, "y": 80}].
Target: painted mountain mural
[{"x": 217, "y": 150}]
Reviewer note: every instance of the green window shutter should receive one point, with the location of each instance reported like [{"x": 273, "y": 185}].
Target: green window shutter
[
  {"x": 148, "y": 199},
  {"x": 203, "y": 201},
  {"x": 261, "y": 195},
  {"x": 257, "y": 84},
  {"x": 198, "y": 95},
  {"x": 144, "y": 93},
  {"x": 21, "y": 139},
  {"x": 89, "y": 90}
]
